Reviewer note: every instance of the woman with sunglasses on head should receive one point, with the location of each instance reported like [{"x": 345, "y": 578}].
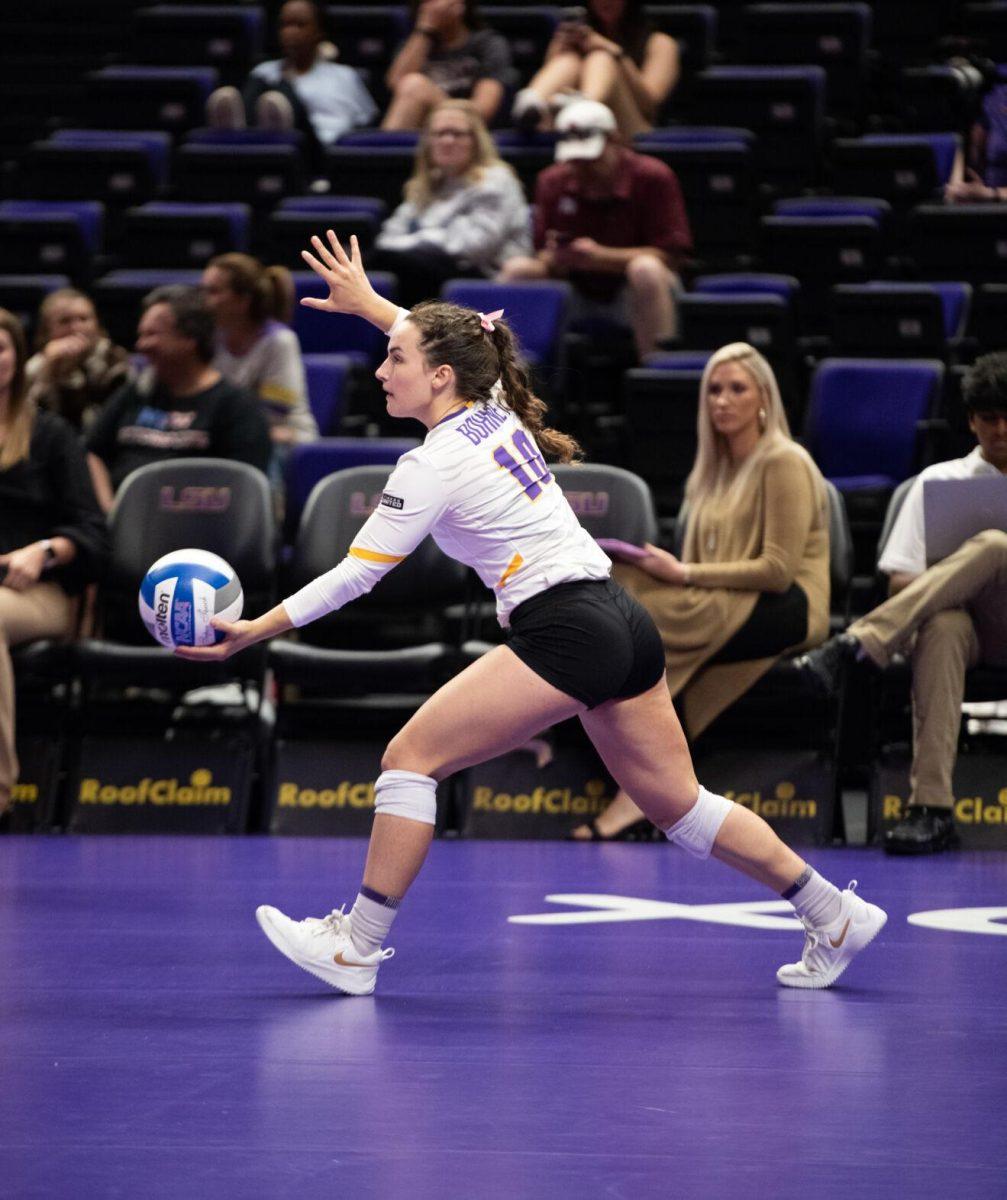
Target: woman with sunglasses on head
[
  {"x": 464, "y": 212},
  {"x": 579, "y": 645}
]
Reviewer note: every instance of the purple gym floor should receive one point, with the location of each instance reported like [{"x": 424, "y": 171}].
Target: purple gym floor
[{"x": 154, "y": 1044}]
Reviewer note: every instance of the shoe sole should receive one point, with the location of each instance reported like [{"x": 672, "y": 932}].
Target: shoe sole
[
  {"x": 810, "y": 983},
  {"x": 276, "y": 937}
]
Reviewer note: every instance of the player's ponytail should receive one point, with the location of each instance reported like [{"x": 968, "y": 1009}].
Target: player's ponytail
[{"x": 479, "y": 357}]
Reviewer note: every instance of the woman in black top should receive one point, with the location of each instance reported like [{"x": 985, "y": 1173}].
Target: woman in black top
[{"x": 52, "y": 536}]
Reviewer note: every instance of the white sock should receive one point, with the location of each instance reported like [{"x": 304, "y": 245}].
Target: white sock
[
  {"x": 815, "y": 899},
  {"x": 370, "y": 920}
]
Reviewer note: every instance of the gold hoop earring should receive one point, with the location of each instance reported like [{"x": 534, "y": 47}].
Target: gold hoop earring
[{"x": 762, "y": 419}]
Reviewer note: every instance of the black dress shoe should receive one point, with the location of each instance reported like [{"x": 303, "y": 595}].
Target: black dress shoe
[
  {"x": 923, "y": 830},
  {"x": 824, "y": 664}
]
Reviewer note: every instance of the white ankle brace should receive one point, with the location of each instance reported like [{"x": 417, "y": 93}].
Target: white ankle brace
[
  {"x": 406, "y": 794},
  {"x": 697, "y": 830}
]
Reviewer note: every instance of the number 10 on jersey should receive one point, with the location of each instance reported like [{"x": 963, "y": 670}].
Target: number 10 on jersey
[{"x": 530, "y": 472}]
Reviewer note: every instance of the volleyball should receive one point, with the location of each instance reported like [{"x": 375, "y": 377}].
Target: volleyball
[{"x": 183, "y": 591}]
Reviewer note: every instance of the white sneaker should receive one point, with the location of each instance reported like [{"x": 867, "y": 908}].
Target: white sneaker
[
  {"x": 323, "y": 947},
  {"x": 829, "y": 951}
]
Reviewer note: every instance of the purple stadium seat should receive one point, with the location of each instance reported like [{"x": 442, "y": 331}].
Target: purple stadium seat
[
  {"x": 327, "y": 375},
  {"x": 138, "y": 97},
  {"x": 229, "y": 37},
  {"x": 536, "y": 312},
  {"x": 154, "y": 142},
  {"x": 313, "y": 461},
  {"x": 335, "y": 203},
  {"x": 118, "y": 296},
  {"x": 173, "y": 233},
  {"x": 329, "y": 333}
]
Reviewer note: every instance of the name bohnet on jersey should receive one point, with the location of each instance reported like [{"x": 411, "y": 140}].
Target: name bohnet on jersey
[{"x": 481, "y": 424}]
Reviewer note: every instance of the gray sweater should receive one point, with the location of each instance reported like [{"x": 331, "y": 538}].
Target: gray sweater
[{"x": 482, "y": 224}]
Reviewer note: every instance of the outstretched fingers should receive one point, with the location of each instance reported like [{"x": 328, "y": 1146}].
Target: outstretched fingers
[{"x": 337, "y": 249}]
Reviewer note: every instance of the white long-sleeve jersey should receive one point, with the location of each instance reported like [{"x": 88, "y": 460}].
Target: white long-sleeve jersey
[{"x": 480, "y": 487}]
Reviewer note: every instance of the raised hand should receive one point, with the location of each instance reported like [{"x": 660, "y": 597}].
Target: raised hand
[{"x": 350, "y": 290}]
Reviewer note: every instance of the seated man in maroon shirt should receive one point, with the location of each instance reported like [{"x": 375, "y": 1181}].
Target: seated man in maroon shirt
[{"x": 613, "y": 223}]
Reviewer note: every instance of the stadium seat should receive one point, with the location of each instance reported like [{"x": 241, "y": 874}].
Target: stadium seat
[
  {"x": 368, "y": 35},
  {"x": 117, "y": 173},
  {"x": 404, "y": 609},
  {"x": 677, "y": 360},
  {"x": 22, "y": 295},
  {"x": 867, "y": 419},
  {"x": 211, "y": 504},
  {"x": 175, "y": 234},
  {"x": 989, "y": 322},
  {"x": 610, "y": 502},
  {"x": 833, "y": 36},
  {"x": 959, "y": 241},
  {"x": 289, "y": 232},
  {"x": 329, "y": 333},
  {"x": 784, "y": 106},
  {"x": 893, "y": 319},
  {"x": 155, "y": 142},
  {"x": 51, "y": 235},
  {"x": 718, "y": 181},
  {"x": 872, "y": 207},
  {"x": 660, "y": 401},
  {"x": 254, "y": 136},
  {"x": 119, "y": 294},
  {"x": 536, "y": 312},
  {"x": 137, "y": 97},
  {"x": 229, "y": 37},
  {"x": 312, "y": 461},
  {"x": 821, "y": 251},
  {"x": 370, "y": 205},
  {"x": 903, "y": 169},
  {"x": 256, "y": 175},
  {"x": 934, "y": 97},
  {"x": 986, "y": 25},
  {"x": 755, "y": 283},
  {"x": 370, "y": 170},
  {"x": 327, "y": 376}
]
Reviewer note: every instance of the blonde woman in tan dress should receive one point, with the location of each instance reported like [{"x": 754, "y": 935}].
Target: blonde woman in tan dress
[{"x": 753, "y": 579}]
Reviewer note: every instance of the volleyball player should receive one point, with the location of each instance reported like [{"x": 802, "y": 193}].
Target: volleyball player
[{"x": 578, "y": 644}]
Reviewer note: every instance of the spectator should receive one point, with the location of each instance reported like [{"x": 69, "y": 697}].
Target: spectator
[
  {"x": 301, "y": 90},
  {"x": 256, "y": 348},
  {"x": 753, "y": 580},
  {"x": 449, "y": 55},
  {"x": 76, "y": 367},
  {"x": 612, "y": 222},
  {"x": 52, "y": 535},
  {"x": 615, "y": 56},
  {"x": 948, "y": 617},
  {"x": 986, "y": 171},
  {"x": 180, "y": 405},
  {"x": 464, "y": 211}
]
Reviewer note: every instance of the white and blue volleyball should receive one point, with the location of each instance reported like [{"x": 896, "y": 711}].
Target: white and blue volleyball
[{"x": 183, "y": 591}]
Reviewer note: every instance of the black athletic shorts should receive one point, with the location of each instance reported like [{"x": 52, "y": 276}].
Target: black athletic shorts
[{"x": 590, "y": 639}]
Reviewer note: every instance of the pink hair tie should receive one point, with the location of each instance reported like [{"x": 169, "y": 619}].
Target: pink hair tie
[{"x": 486, "y": 319}]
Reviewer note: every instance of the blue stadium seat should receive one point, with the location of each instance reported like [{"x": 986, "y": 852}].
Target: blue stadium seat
[
  {"x": 256, "y": 175},
  {"x": 335, "y": 333},
  {"x": 368, "y": 35},
  {"x": 660, "y": 406},
  {"x": 875, "y": 208},
  {"x": 154, "y": 142},
  {"x": 888, "y": 319},
  {"x": 22, "y": 295},
  {"x": 51, "y": 235},
  {"x": 787, "y": 287},
  {"x": 288, "y": 232},
  {"x": 254, "y": 136},
  {"x": 693, "y": 135},
  {"x": 694, "y": 27},
  {"x": 116, "y": 172},
  {"x": 313, "y": 461},
  {"x": 118, "y": 296},
  {"x": 176, "y": 234},
  {"x": 677, "y": 360},
  {"x": 335, "y": 203},
  {"x": 137, "y": 97},
  {"x": 989, "y": 319},
  {"x": 834, "y": 36},
  {"x": 382, "y": 139},
  {"x": 865, "y": 419},
  {"x": 536, "y": 312},
  {"x": 934, "y": 96},
  {"x": 903, "y": 169},
  {"x": 821, "y": 251},
  {"x": 327, "y": 375},
  {"x": 229, "y": 37},
  {"x": 369, "y": 170},
  {"x": 957, "y": 241},
  {"x": 784, "y": 106}
]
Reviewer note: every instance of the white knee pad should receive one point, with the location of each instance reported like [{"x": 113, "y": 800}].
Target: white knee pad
[
  {"x": 406, "y": 794},
  {"x": 697, "y": 830}
]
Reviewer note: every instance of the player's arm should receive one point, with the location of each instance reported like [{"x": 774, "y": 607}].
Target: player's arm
[
  {"x": 410, "y": 505},
  {"x": 350, "y": 290}
]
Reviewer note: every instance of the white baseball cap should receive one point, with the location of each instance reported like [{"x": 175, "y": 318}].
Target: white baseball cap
[{"x": 582, "y": 128}]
